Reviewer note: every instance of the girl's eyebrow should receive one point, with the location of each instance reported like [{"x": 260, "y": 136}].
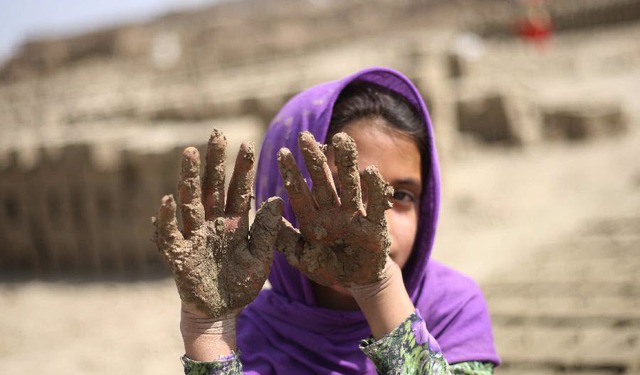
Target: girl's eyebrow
[
  {"x": 409, "y": 181},
  {"x": 406, "y": 181}
]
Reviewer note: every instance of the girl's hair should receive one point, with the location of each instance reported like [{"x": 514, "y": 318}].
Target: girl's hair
[{"x": 365, "y": 100}]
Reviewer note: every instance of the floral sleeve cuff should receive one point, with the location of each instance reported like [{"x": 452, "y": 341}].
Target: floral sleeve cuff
[
  {"x": 409, "y": 348},
  {"x": 227, "y": 365}
]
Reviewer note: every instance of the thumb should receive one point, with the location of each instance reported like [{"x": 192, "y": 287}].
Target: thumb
[
  {"x": 290, "y": 242},
  {"x": 264, "y": 229},
  {"x": 167, "y": 236}
]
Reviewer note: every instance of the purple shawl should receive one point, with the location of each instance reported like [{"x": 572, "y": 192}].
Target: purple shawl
[{"x": 284, "y": 332}]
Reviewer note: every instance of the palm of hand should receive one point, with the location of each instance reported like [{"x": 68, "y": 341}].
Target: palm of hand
[
  {"x": 338, "y": 242},
  {"x": 218, "y": 267}
]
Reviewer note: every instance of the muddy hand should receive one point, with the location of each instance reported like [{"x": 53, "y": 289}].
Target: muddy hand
[
  {"x": 217, "y": 268},
  {"x": 340, "y": 241}
]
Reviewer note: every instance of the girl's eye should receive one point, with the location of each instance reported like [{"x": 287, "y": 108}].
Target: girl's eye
[{"x": 404, "y": 196}]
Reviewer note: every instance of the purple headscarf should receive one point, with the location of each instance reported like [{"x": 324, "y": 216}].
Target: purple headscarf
[{"x": 283, "y": 331}]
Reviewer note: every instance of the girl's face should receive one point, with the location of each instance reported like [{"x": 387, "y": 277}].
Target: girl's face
[{"x": 398, "y": 159}]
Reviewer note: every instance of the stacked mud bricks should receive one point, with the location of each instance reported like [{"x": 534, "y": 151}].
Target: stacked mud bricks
[
  {"x": 565, "y": 15},
  {"x": 575, "y": 308},
  {"x": 69, "y": 216}
]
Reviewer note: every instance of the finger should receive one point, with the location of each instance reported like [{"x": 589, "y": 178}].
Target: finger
[
  {"x": 240, "y": 187},
  {"x": 290, "y": 242},
  {"x": 189, "y": 191},
  {"x": 167, "y": 234},
  {"x": 348, "y": 174},
  {"x": 213, "y": 180},
  {"x": 323, "y": 188},
  {"x": 379, "y": 194},
  {"x": 297, "y": 189},
  {"x": 264, "y": 230}
]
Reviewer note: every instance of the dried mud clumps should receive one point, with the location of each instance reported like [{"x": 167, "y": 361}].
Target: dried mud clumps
[
  {"x": 219, "y": 262},
  {"x": 338, "y": 241}
]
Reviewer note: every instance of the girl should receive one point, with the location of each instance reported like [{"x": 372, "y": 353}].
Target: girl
[{"x": 353, "y": 289}]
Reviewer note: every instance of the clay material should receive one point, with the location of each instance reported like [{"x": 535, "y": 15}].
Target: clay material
[
  {"x": 219, "y": 263},
  {"x": 338, "y": 242}
]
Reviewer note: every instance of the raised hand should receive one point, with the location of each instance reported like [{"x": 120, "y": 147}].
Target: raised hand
[
  {"x": 339, "y": 241},
  {"x": 218, "y": 262}
]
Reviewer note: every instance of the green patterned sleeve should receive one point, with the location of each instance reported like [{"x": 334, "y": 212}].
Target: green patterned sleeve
[
  {"x": 472, "y": 368},
  {"x": 229, "y": 365},
  {"x": 410, "y": 349}
]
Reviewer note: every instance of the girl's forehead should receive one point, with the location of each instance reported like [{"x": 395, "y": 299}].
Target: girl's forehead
[
  {"x": 394, "y": 153},
  {"x": 375, "y": 132}
]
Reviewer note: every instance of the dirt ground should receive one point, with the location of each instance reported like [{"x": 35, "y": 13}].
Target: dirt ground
[{"x": 499, "y": 207}]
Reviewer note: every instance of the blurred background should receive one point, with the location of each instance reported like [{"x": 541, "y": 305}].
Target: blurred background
[{"x": 536, "y": 107}]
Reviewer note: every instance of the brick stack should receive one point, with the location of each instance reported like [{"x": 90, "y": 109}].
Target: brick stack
[{"x": 575, "y": 308}]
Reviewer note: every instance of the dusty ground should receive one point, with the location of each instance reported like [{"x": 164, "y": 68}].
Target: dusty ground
[
  {"x": 499, "y": 209},
  {"x": 507, "y": 204}
]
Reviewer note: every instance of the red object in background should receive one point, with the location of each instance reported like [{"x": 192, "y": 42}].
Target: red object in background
[
  {"x": 535, "y": 25},
  {"x": 536, "y": 30}
]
